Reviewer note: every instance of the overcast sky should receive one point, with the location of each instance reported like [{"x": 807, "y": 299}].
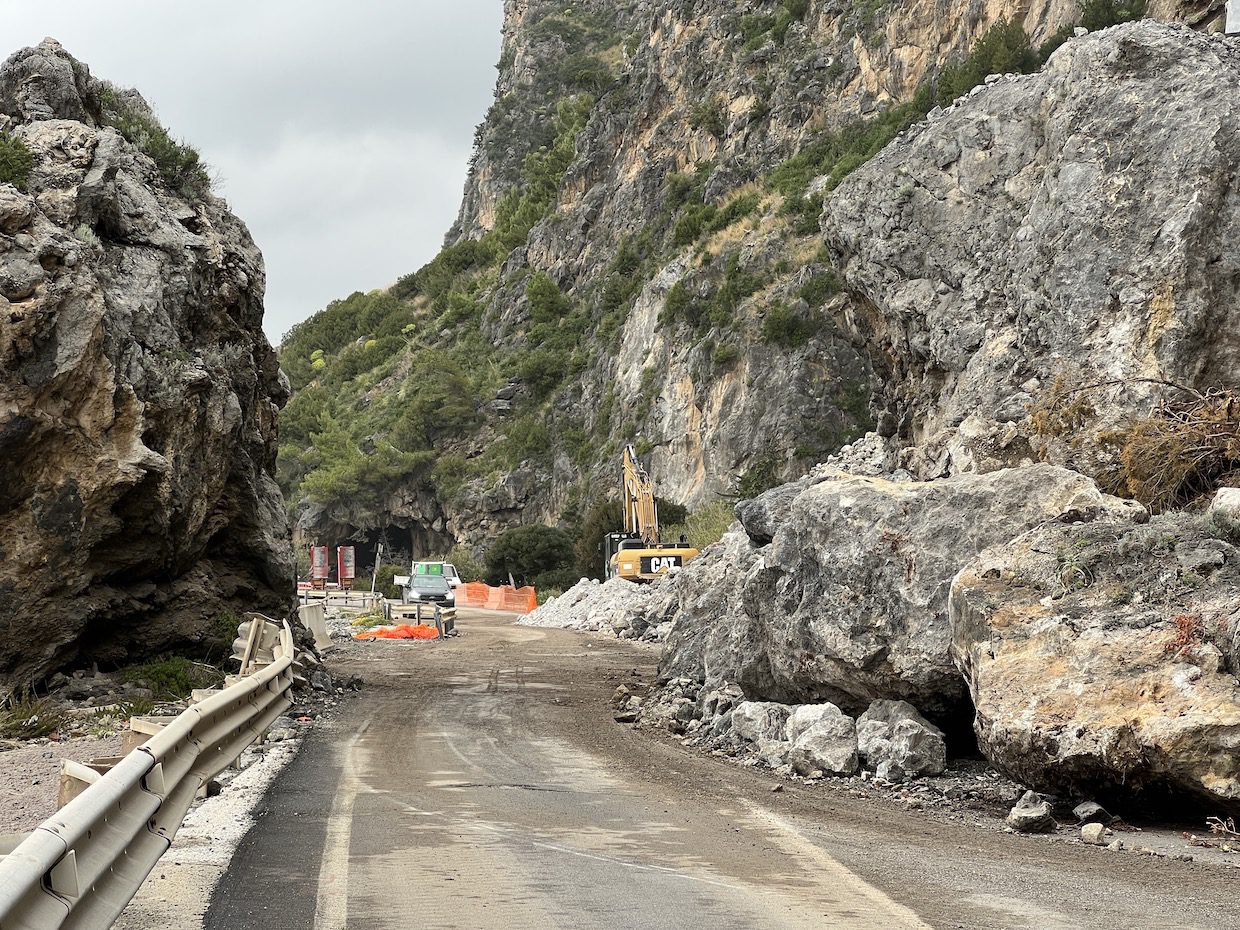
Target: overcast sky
[{"x": 340, "y": 131}]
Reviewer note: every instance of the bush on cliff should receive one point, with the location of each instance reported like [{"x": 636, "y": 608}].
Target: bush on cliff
[
  {"x": 179, "y": 164},
  {"x": 15, "y": 161}
]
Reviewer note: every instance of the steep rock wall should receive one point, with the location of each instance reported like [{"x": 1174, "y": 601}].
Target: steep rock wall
[
  {"x": 138, "y": 396},
  {"x": 1075, "y": 227}
]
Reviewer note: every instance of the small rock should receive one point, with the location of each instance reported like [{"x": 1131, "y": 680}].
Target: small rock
[
  {"x": 321, "y": 681},
  {"x": 1032, "y": 814},
  {"x": 1089, "y": 812},
  {"x": 1115, "y": 845},
  {"x": 1094, "y": 834}
]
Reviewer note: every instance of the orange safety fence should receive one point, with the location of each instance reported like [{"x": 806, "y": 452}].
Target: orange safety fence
[
  {"x": 403, "y": 631},
  {"x": 508, "y": 598}
]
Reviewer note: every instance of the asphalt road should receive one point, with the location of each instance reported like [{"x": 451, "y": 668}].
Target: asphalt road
[{"x": 481, "y": 783}]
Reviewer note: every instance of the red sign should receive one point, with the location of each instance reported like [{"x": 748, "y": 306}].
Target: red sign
[
  {"x": 320, "y": 563},
  {"x": 346, "y": 566}
]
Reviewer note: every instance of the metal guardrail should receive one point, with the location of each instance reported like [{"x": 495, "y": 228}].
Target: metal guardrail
[{"x": 83, "y": 865}]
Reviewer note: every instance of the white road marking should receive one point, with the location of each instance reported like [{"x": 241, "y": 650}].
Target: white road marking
[
  {"x": 331, "y": 909},
  {"x": 850, "y": 888}
]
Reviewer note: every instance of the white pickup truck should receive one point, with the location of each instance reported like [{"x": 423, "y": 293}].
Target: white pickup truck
[{"x": 445, "y": 570}]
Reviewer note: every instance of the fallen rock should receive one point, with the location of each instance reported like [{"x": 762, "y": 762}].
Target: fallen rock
[
  {"x": 1091, "y": 812},
  {"x": 1095, "y": 834},
  {"x": 138, "y": 394},
  {"x": 1032, "y": 814},
  {"x": 848, "y": 600},
  {"x": 898, "y": 742},
  {"x": 759, "y": 721},
  {"x": 1224, "y": 513},
  {"x": 994, "y": 246},
  {"x": 617, "y": 607},
  {"x": 1102, "y": 667},
  {"x": 828, "y": 744}
]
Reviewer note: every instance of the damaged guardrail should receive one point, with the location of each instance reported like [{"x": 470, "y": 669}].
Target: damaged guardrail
[{"x": 82, "y": 866}]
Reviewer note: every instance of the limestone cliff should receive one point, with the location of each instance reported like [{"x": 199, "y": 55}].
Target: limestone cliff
[
  {"x": 1070, "y": 228},
  {"x": 138, "y": 395}
]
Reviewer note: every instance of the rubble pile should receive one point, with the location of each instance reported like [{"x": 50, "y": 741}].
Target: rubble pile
[
  {"x": 616, "y": 607},
  {"x": 890, "y": 739}
]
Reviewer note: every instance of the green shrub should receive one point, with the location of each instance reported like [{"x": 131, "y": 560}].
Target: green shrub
[
  {"x": 603, "y": 517},
  {"x": 725, "y": 354},
  {"x": 558, "y": 580},
  {"x": 1099, "y": 14},
  {"x": 179, "y": 164},
  {"x": 694, "y": 220},
  {"x": 820, "y": 288},
  {"x": 468, "y": 567},
  {"x": 735, "y": 211},
  {"x": 704, "y": 526},
  {"x": 708, "y": 115},
  {"x": 172, "y": 678},
  {"x": 385, "y": 583},
  {"x": 16, "y": 161},
  {"x": 528, "y": 552},
  {"x": 784, "y": 327},
  {"x": 30, "y": 718},
  {"x": 758, "y": 478},
  {"x": 547, "y": 303}
]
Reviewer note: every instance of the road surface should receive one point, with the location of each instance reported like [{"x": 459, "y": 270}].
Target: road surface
[{"x": 481, "y": 783}]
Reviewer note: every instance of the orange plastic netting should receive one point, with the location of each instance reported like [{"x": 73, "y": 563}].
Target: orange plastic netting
[{"x": 403, "y": 631}]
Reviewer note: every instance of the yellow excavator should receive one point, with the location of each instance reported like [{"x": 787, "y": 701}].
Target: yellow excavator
[{"x": 637, "y": 553}]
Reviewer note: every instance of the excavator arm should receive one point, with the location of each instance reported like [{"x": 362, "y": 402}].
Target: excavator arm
[{"x": 641, "y": 513}]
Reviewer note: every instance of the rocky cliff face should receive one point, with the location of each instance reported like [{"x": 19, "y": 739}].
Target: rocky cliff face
[
  {"x": 1067, "y": 229},
  {"x": 138, "y": 395}
]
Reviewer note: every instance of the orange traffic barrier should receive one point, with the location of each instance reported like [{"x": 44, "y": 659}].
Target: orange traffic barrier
[
  {"x": 507, "y": 598},
  {"x": 403, "y": 631}
]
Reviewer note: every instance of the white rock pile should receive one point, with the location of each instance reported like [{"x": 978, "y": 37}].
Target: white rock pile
[{"x": 616, "y": 607}]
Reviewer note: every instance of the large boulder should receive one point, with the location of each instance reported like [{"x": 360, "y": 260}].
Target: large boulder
[
  {"x": 138, "y": 395},
  {"x": 847, "y": 599},
  {"x": 896, "y": 741},
  {"x": 1102, "y": 658},
  {"x": 1072, "y": 234}
]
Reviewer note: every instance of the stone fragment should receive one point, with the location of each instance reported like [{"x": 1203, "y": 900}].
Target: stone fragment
[
  {"x": 828, "y": 744},
  {"x": 1006, "y": 220},
  {"x": 1032, "y": 814},
  {"x": 1094, "y": 834},
  {"x": 1091, "y": 812},
  {"x": 757, "y": 721},
  {"x": 1224, "y": 512},
  {"x": 1098, "y": 665},
  {"x": 835, "y": 587}
]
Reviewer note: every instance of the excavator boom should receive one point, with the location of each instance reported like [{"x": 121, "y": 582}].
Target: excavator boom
[{"x": 638, "y": 553}]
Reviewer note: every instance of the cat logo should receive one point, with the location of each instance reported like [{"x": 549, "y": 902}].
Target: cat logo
[{"x": 657, "y": 564}]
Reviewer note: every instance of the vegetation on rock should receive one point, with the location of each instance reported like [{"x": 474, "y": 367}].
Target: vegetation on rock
[{"x": 16, "y": 161}]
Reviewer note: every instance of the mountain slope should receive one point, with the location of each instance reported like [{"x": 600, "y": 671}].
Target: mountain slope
[{"x": 637, "y": 259}]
